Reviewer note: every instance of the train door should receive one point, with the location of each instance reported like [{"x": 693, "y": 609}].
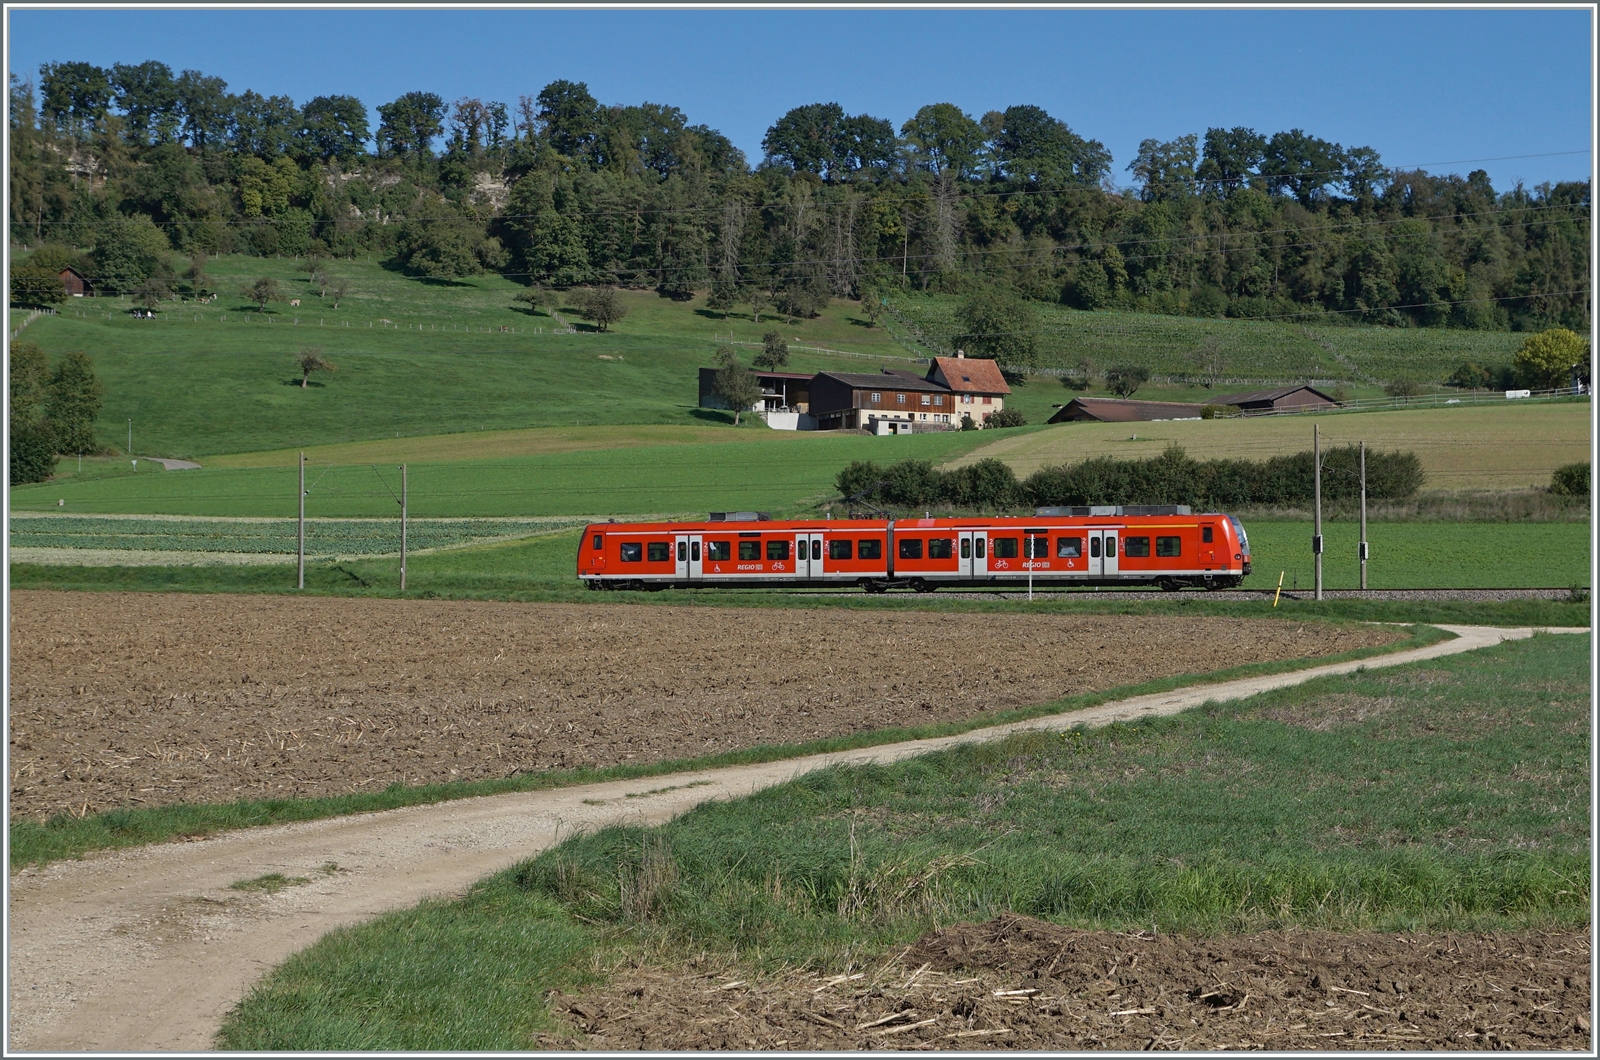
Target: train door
[
  {"x": 974, "y": 548},
  {"x": 808, "y": 555},
  {"x": 1102, "y": 552},
  {"x": 689, "y": 564}
]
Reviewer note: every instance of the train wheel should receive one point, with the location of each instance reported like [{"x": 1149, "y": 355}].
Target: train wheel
[
  {"x": 873, "y": 586},
  {"x": 921, "y": 586},
  {"x": 1210, "y": 583},
  {"x": 1169, "y": 585}
]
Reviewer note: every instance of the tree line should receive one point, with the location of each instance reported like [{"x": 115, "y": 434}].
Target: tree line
[
  {"x": 53, "y": 410},
  {"x": 122, "y": 165},
  {"x": 1173, "y": 477}
]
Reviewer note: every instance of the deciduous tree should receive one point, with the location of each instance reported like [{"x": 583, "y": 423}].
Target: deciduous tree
[
  {"x": 1546, "y": 360},
  {"x": 261, "y": 292},
  {"x": 734, "y": 383},
  {"x": 774, "y": 352},
  {"x": 310, "y": 360},
  {"x": 75, "y": 396}
]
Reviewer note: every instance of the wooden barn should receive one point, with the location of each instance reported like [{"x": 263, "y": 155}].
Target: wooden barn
[
  {"x": 1123, "y": 410},
  {"x": 1282, "y": 399}
]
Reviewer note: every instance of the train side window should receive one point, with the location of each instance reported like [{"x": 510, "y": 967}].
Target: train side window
[
  {"x": 1111, "y": 546},
  {"x": 1136, "y": 547},
  {"x": 658, "y": 552},
  {"x": 597, "y": 543},
  {"x": 1169, "y": 546},
  {"x": 1005, "y": 548},
  {"x": 802, "y": 550},
  {"x": 980, "y": 545},
  {"x": 694, "y": 552},
  {"x": 749, "y": 550},
  {"x": 940, "y": 547},
  {"x": 1069, "y": 547},
  {"x": 1094, "y": 548},
  {"x": 839, "y": 548},
  {"x": 719, "y": 550},
  {"x": 682, "y": 551},
  {"x": 1035, "y": 547},
  {"x": 777, "y": 550},
  {"x": 869, "y": 548},
  {"x": 632, "y": 551},
  {"x": 1205, "y": 534},
  {"x": 966, "y": 548},
  {"x": 911, "y": 548}
]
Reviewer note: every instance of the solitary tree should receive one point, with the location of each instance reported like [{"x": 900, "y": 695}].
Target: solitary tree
[
  {"x": 602, "y": 306},
  {"x": 1403, "y": 387},
  {"x": 261, "y": 292},
  {"x": 310, "y": 360},
  {"x": 196, "y": 274},
  {"x": 151, "y": 293},
  {"x": 722, "y": 298},
  {"x": 759, "y": 301},
  {"x": 997, "y": 324},
  {"x": 1125, "y": 379},
  {"x": 774, "y": 352},
  {"x": 75, "y": 397},
  {"x": 734, "y": 383},
  {"x": 337, "y": 288},
  {"x": 1209, "y": 361},
  {"x": 1546, "y": 360}
]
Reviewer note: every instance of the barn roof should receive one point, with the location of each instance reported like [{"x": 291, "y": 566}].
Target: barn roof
[
  {"x": 971, "y": 375},
  {"x": 1122, "y": 410},
  {"x": 1271, "y": 397},
  {"x": 884, "y": 381}
]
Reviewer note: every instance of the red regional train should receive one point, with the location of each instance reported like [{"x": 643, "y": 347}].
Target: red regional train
[{"x": 1166, "y": 546}]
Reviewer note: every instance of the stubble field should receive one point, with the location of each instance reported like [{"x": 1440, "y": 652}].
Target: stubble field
[{"x": 145, "y": 699}]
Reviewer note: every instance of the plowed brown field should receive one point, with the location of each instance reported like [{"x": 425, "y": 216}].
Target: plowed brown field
[
  {"x": 1018, "y": 983},
  {"x": 137, "y": 699}
]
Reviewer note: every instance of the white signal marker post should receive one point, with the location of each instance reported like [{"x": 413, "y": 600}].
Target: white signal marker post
[
  {"x": 300, "y": 534},
  {"x": 402, "y": 528},
  {"x": 1316, "y": 509},
  {"x": 1363, "y": 515}
]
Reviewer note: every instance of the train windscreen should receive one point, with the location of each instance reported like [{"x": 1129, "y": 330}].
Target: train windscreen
[{"x": 1244, "y": 542}]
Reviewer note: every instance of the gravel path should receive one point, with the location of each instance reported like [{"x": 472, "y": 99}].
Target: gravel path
[{"x": 147, "y": 949}]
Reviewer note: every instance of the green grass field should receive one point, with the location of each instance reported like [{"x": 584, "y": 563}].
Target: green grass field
[
  {"x": 772, "y": 470},
  {"x": 1451, "y": 795},
  {"x": 1497, "y": 446},
  {"x": 1261, "y": 351},
  {"x": 426, "y": 357}
]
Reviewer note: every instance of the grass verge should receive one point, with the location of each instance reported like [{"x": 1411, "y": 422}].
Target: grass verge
[
  {"x": 66, "y": 836},
  {"x": 1447, "y": 795}
]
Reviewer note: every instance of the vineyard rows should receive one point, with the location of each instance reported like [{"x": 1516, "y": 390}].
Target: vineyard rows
[{"x": 1265, "y": 351}]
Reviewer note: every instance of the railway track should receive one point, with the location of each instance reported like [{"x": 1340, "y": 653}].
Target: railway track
[{"x": 1565, "y": 593}]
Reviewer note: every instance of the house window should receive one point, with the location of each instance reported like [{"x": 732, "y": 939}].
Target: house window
[
  {"x": 901, "y": 398},
  {"x": 966, "y": 399},
  {"x": 877, "y": 398},
  {"x": 987, "y": 400},
  {"x": 938, "y": 399},
  {"x": 927, "y": 399}
]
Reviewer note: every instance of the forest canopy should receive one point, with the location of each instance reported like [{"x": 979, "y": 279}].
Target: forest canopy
[{"x": 113, "y": 168}]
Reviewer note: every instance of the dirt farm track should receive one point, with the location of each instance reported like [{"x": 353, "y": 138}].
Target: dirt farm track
[{"x": 141, "y": 699}]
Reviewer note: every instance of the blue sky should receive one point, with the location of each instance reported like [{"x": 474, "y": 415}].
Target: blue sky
[{"x": 1427, "y": 86}]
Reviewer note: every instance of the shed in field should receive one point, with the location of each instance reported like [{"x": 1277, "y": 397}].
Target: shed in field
[
  {"x": 76, "y": 284},
  {"x": 1281, "y": 399},
  {"x": 1123, "y": 410}
]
